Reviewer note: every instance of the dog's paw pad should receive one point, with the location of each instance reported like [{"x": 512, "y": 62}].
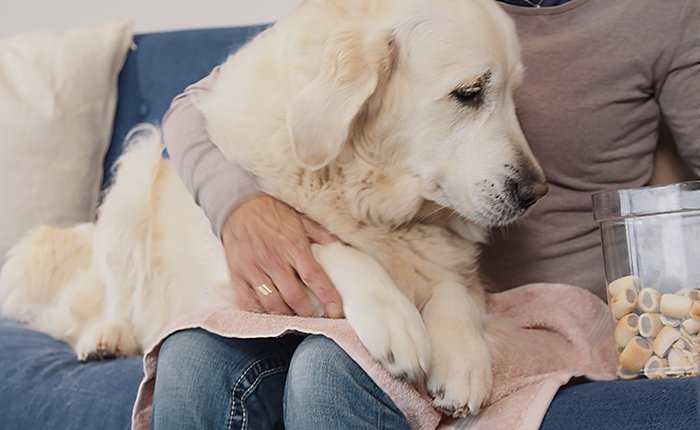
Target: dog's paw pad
[
  {"x": 460, "y": 387},
  {"x": 101, "y": 353},
  {"x": 106, "y": 340},
  {"x": 402, "y": 345},
  {"x": 437, "y": 394},
  {"x": 454, "y": 410}
]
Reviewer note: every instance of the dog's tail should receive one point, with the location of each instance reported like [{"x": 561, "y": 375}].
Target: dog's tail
[
  {"x": 45, "y": 276},
  {"x": 122, "y": 246}
]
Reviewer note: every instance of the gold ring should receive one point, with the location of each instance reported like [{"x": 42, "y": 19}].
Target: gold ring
[{"x": 264, "y": 289}]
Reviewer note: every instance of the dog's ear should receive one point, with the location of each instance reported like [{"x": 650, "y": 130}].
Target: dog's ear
[{"x": 321, "y": 116}]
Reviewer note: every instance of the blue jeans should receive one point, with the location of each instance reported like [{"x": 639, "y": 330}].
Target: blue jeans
[
  {"x": 206, "y": 381},
  {"x": 43, "y": 386},
  {"x": 641, "y": 404},
  {"x": 295, "y": 382}
]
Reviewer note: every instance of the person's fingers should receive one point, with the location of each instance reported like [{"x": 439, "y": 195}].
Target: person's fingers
[
  {"x": 268, "y": 295},
  {"x": 244, "y": 298},
  {"x": 259, "y": 284},
  {"x": 285, "y": 278},
  {"x": 315, "y": 278},
  {"x": 294, "y": 293},
  {"x": 316, "y": 233},
  {"x": 268, "y": 245},
  {"x": 280, "y": 276}
]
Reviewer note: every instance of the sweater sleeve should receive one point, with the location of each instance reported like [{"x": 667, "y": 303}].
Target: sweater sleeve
[
  {"x": 679, "y": 91},
  {"x": 217, "y": 184}
]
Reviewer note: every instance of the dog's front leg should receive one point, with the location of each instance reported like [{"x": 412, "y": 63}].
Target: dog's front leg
[
  {"x": 385, "y": 320},
  {"x": 460, "y": 376}
]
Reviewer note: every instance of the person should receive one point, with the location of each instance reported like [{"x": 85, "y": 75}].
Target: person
[{"x": 600, "y": 75}]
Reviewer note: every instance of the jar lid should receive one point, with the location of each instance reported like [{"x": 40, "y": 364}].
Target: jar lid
[{"x": 651, "y": 200}]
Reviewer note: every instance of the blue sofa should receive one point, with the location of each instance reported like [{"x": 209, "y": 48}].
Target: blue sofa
[{"x": 42, "y": 385}]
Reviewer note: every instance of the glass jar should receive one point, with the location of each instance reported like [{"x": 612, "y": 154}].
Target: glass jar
[{"x": 651, "y": 248}]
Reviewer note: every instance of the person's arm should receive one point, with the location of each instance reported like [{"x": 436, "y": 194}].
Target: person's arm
[
  {"x": 678, "y": 91},
  {"x": 266, "y": 242},
  {"x": 218, "y": 185}
]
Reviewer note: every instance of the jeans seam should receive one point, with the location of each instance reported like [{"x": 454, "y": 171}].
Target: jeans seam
[{"x": 254, "y": 384}]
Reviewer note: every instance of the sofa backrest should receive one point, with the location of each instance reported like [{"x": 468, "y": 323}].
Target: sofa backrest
[{"x": 161, "y": 66}]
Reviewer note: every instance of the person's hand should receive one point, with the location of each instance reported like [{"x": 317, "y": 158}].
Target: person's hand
[{"x": 268, "y": 250}]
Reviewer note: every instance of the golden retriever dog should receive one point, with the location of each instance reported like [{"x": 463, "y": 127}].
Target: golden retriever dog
[{"x": 389, "y": 122}]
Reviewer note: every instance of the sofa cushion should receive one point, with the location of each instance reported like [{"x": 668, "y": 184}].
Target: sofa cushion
[
  {"x": 162, "y": 66},
  {"x": 43, "y": 385},
  {"x": 58, "y": 94}
]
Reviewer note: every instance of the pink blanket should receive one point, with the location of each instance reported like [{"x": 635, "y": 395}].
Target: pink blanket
[{"x": 560, "y": 332}]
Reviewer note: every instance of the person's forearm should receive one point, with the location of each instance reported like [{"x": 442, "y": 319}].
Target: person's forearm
[{"x": 217, "y": 184}]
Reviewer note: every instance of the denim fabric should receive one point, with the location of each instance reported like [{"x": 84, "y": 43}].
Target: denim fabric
[
  {"x": 44, "y": 386},
  {"x": 641, "y": 404},
  {"x": 326, "y": 389},
  {"x": 207, "y": 381}
]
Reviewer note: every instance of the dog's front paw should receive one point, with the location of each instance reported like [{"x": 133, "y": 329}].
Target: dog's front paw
[
  {"x": 106, "y": 339},
  {"x": 385, "y": 320},
  {"x": 393, "y": 333},
  {"x": 460, "y": 380}
]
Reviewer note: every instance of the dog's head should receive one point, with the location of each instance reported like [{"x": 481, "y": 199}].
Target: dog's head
[{"x": 425, "y": 88}]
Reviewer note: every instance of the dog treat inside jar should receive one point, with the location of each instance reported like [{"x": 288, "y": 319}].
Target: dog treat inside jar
[{"x": 651, "y": 249}]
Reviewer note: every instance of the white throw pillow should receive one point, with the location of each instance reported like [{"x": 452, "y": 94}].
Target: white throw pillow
[{"x": 58, "y": 95}]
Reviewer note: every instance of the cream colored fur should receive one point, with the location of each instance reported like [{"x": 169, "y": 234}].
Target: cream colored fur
[{"x": 345, "y": 110}]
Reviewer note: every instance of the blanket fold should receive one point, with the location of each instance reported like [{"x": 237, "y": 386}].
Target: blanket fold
[{"x": 556, "y": 332}]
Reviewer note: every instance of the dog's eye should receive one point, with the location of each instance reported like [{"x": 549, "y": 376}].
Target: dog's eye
[
  {"x": 474, "y": 94},
  {"x": 469, "y": 96}
]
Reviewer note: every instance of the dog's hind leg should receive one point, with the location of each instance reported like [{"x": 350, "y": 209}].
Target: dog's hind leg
[
  {"x": 386, "y": 321},
  {"x": 460, "y": 378},
  {"x": 121, "y": 248},
  {"x": 46, "y": 281}
]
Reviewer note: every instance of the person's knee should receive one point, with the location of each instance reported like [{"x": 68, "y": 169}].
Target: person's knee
[
  {"x": 319, "y": 381},
  {"x": 181, "y": 354},
  {"x": 182, "y": 350},
  {"x": 326, "y": 389},
  {"x": 320, "y": 365}
]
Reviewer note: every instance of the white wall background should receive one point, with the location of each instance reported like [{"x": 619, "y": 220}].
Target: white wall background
[{"x": 149, "y": 15}]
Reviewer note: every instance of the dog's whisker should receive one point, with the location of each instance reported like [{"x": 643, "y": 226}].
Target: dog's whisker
[{"x": 429, "y": 214}]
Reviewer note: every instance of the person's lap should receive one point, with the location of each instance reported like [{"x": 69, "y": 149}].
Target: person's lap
[
  {"x": 207, "y": 381},
  {"x": 650, "y": 404},
  {"x": 653, "y": 404},
  {"x": 44, "y": 386}
]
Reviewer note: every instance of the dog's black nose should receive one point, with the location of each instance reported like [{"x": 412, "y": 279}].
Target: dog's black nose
[{"x": 527, "y": 193}]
